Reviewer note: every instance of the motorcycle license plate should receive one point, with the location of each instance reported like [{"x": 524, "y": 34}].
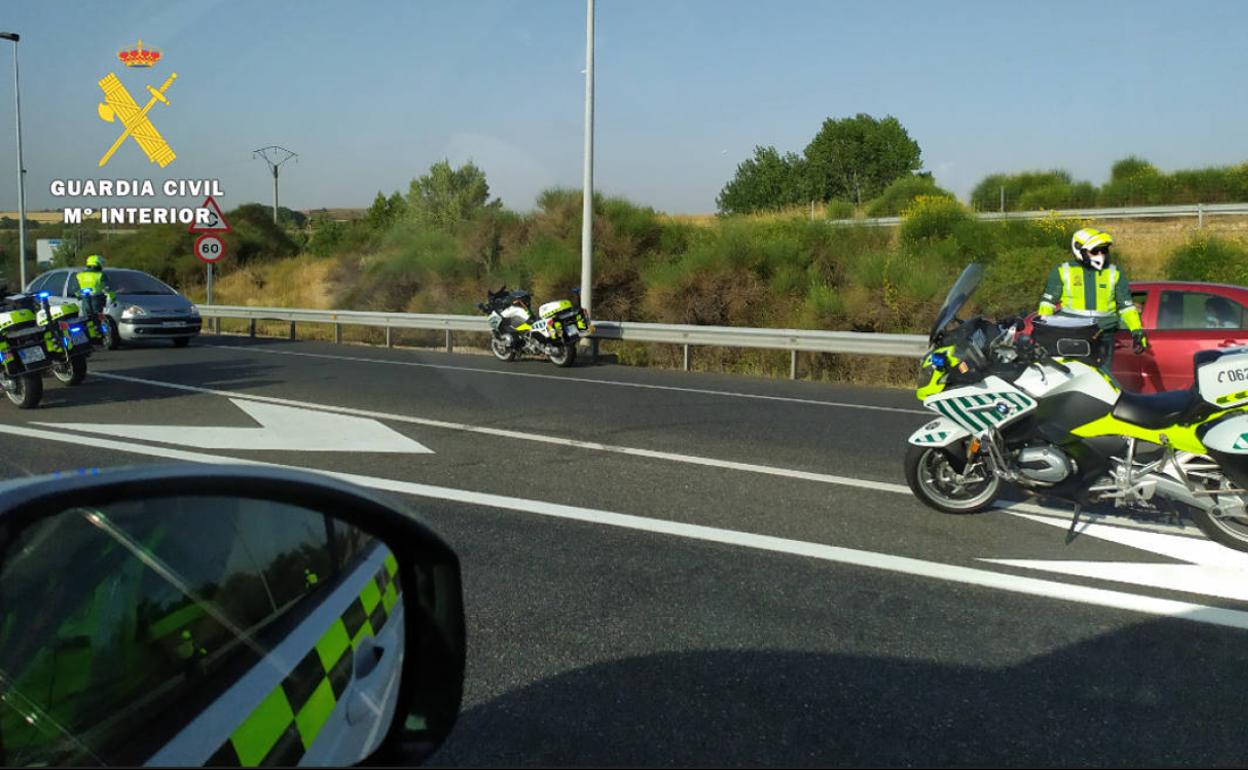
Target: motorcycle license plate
[
  {"x": 79, "y": 338},
  {"x": 31, "y": 355},
  {"x": 571, "y": 331}
]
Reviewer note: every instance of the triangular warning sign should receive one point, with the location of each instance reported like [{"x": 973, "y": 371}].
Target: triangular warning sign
[{"x": 215, "y": 223}]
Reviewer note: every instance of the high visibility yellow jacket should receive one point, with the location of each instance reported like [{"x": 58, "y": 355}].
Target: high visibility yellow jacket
[
  {"x": 93, "y": 280},
  {"x": 1102, "y": 294}
]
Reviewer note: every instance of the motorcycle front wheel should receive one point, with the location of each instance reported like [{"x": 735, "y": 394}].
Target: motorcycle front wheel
[
  {"x": 566, "y": 355},
  {"x": 72, "y": 373},
  {"x": 25, "y": 391},
  {"x": 501, "y": 350},
  {"x": 932, "y": 477}
]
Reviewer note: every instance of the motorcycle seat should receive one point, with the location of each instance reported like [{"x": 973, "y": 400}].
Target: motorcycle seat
[{"x": 1156, "y": 410}]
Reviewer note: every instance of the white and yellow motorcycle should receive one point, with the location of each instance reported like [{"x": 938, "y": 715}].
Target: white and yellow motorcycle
[
  {"x": 1035, "y": 412},
  {"x": 552, "y": 333}
]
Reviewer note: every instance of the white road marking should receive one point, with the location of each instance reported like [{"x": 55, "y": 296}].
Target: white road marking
[
  {"x": 770, "y": 470},
  {"x": 513, "y": 434},
  {"x": 1213, "y": 569},
  {"x": 281, "y": 428},
  {"x": 562, "y": 378},
  {"x": 867, "y": 559}
]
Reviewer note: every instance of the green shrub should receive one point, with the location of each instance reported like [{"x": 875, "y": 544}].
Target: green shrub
[
  {"x": 931, "y": 217},
  {"x": 1209, "y": 258},
  {"x": 839, "y": 209},
  {"x": 900, "y": 195}
]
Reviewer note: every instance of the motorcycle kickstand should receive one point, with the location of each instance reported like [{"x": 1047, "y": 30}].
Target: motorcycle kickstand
[{"x": 1071, "y": 534}]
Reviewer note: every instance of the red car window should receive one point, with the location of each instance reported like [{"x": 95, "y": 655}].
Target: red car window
[{"x": 1198, "y": 310}]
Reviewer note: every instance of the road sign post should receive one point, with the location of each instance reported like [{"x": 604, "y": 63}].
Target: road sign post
[{"x": 209, "y": 246}]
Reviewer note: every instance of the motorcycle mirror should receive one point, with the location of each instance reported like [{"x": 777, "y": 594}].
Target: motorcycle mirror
[{"x": 222, "y": 615}]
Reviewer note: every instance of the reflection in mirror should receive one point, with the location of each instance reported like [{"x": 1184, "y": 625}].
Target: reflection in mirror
[{"x": 198, "y": 630}]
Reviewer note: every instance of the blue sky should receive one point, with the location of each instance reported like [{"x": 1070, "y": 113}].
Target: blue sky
[{"x": 371, "y": 93}]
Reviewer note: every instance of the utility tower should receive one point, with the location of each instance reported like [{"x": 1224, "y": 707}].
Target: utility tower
[{"x": 275, "y": 156}]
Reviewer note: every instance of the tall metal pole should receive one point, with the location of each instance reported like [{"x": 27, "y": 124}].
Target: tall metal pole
[
  {"x": 280, "y": 156},
  {"x": 21, "y": 169},
  {"x": 587, "y": 207}
]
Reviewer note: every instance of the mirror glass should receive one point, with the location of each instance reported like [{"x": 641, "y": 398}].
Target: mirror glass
[{"x": 197, "y": 630}]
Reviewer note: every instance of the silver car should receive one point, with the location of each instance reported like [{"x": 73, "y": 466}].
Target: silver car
[{"x": 143, "y": 307}]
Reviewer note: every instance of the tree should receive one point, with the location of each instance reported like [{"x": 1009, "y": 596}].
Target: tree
[
  {"x": 766, "y": 181},
  {"x": 445, "y": 197},
  {"x": 856, "y": 158},
  {"x": 384, "y": 211}
]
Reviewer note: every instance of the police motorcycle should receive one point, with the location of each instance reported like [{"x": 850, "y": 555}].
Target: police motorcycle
[
  {"x": 95, "y": 320},
  {"x": 1036, "y": 412},
  {"x": 69, "y": 335},
  {"x": 552, "y": 333},
  {"x": 25, "y": 351}
]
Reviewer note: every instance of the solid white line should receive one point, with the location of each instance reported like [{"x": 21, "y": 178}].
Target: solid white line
[
  {"x": 561, "y": 378},
  {"x": 867, "y": 559}
]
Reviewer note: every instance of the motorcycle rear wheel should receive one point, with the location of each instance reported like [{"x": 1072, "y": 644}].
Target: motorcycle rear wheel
[
  {"x": 72, "y": 373},
  {"x": 934, "y": 480},
  {"x": 25, "y": 391},
  {"x": 501, "y": 350},
  {"x": 1230, "y": 531},
  {"x": 567, "y": 355}
]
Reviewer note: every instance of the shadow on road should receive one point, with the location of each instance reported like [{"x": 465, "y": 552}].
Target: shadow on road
[{"x": 1164, "y": 693}]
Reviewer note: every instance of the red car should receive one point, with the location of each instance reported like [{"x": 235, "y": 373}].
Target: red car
[{"x": 1180, "y": 319}]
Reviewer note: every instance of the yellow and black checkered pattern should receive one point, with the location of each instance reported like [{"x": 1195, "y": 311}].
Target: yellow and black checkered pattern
[{"x": 284, "y": 725}]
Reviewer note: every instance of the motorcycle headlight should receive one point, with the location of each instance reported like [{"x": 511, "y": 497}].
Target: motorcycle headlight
[{"x": 132, "y": 311}]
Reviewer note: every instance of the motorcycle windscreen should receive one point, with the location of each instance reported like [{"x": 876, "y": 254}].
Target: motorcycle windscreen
[{"x": 962, "y": 290}]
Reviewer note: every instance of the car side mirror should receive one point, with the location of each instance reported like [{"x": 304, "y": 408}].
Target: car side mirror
[{"x": 222, "y": 615}]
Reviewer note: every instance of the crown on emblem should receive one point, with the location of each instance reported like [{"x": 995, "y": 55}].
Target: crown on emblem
[{"x": 139, "y": 56}]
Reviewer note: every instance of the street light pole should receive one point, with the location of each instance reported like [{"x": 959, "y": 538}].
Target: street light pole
[
  {"x": 21, "y": 169},
  {"x": 587, "y": 195}
]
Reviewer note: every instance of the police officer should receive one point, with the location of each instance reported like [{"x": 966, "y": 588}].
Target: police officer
[
  {"x": 1090, "y": 286},
  {"x": 93, "y": 279}
]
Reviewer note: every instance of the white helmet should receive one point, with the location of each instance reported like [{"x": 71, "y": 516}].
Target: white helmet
[{"x": 1091, "y": 247}]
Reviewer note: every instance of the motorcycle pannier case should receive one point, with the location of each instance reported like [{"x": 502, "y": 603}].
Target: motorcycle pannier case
[{"x": 1073, "y": 337}]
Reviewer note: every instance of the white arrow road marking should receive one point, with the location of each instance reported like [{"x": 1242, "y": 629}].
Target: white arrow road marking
[
  {"x": 281, "y": 428},
  {"x": 1212, "y": 569},
  {"x": 1148, "y": 605}
]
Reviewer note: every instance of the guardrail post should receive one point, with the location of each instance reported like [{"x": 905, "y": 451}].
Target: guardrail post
[
  {"x": 449, "y": 343},
  {"x": 593, "y": 350},
  {"x": 389, "y": 341},
  {"x": 338, "y": 333},
  {"x": 292, "y": 330},
  {"x": 686, "y": 356},
  {"x": 1200, "y": 215},
  {"x": 793, "y": 364},
  {"x": 251, "y": 328}
]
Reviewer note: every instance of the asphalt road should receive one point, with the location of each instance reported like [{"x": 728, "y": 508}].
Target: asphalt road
[{"x": 724, "y": 570}]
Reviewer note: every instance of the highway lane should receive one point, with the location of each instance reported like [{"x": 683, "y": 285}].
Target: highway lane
[{"x": 596, "y": 644}]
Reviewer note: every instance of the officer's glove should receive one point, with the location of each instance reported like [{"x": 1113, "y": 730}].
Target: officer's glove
[{"x": 1139, "y": 342}]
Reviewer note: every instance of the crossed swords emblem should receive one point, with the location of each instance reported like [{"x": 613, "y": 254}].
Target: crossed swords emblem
[{"x": 119, "y": 104}]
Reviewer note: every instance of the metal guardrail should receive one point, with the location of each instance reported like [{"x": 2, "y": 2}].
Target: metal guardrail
[
  {"x": 792, "y": 340},
  {"x": 1198, "y": 210}
]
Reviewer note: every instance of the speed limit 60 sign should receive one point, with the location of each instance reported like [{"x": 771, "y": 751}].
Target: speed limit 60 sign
[{"x": 209, "y": 248}]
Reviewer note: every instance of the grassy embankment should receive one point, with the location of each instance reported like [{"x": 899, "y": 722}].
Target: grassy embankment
[{"x": 773, "y": 270}]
